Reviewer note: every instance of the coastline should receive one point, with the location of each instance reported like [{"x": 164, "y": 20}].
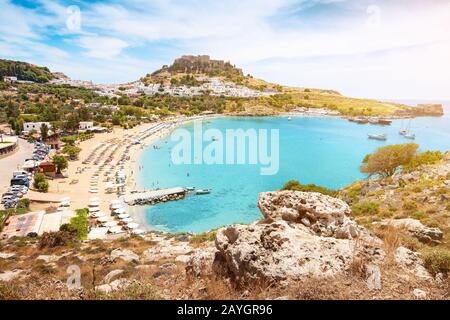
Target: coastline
[{"x": 132, "y": 168}]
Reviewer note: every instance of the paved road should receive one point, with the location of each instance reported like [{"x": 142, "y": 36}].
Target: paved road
[{"x": 13, "y": 162}]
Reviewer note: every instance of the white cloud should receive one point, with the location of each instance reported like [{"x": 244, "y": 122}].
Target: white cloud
[
  {"x": 102, "y": 47},
  {"x": 288, "y": 41}
]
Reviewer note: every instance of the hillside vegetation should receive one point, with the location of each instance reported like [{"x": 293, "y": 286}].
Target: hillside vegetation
[{"x": 24, "y": 71}]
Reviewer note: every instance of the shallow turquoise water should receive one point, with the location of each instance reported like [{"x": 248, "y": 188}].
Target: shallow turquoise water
[{"x": 324, "y": 151}]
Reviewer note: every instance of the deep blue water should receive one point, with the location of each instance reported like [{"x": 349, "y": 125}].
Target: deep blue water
[{"x": 324, "y": 151}]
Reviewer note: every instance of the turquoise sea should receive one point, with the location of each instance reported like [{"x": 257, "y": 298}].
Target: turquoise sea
[{"x": 324, "y": 151}]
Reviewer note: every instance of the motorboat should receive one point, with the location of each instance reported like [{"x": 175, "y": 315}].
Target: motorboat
[
  {"x": 380, "y": 136},
  {"x": 203, "y": 191}
]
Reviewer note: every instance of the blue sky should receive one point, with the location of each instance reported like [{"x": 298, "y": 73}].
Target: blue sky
[{"x": 377, "y": 49}]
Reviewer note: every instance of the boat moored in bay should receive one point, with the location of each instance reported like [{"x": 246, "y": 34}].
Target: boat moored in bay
[{"x": 379, "y": 136}]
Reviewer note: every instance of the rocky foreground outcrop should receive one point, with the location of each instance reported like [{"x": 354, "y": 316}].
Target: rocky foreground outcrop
[{"x": 302, "y": 235}]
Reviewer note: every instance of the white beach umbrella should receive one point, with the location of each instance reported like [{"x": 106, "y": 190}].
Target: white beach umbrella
[
  {"x": 119, "y": 211},
  {"x": 138, "y": 231},
  {"x": 110, "y": 224},
  {"x": 116, "y": 229},
  {"x": 115, "y": 201},
  {"x": 64, "y": 204},
  {"x": 123, "y": 216},
  {"x": 127, "y": 220},
  {"x": 99, "y": 214},
  {"x": 116, "y": 206},
  {"x": 94, "y": 199},
  {"x": 132, "y": 225},
  {"x": 103, "y": 219},
  {"x": 94, "y": 209},
  {"x": 94, "y": 204},
  {"x": 93, "y": 190}
]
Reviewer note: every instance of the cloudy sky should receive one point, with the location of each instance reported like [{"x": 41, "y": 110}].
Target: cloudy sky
[{"x": 398, "y": 49}]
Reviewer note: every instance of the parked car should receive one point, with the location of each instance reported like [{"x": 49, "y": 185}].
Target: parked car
[
  {"x": 21, "y": 176},
  {"x": 20, "y": 182},
  {"x": 10, "y": 204},
  {"x": 21, "y": 173},
  {"x": 8, "y": 198},
  {"x": 18, "y": 188}
]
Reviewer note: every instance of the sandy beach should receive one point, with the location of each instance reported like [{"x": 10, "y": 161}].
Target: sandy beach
[{"x": 106, "y": 148}]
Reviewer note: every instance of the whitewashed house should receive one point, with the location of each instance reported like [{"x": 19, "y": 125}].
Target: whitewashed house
[
  {"x": 36, "y": 126},
  {"x": 10, "y": 79},
  {"x": 86, "y": 126}
]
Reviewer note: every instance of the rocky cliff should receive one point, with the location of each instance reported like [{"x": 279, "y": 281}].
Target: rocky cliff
[{"x": 303, "y": 235}]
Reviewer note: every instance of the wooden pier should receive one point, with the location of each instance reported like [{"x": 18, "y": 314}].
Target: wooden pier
[{"x": 155, "y": 196}]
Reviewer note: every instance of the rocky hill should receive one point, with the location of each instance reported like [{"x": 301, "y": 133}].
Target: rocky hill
[
  {"x": 190, "y": 77},
  {"x": 202, "y": 64}
]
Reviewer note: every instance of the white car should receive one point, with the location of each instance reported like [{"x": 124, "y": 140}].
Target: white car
[
  {"x": 17, "y": 188},
  {"x": 8, "y": 198}
]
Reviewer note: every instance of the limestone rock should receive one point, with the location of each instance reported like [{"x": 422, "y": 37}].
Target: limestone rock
[
  {"x": 320, "y": 214},
  {"x": 115, "y": 285},
  {"x": 279, "y": 251},
  {"x": 419, "y": 294},
  {"x": 286, "y": 246},
  {"x": 10, "y": 275},
  {"x": 200, "y": 261},
  {"x": 416, "y": 229},
  {"x": 124, "y": 254},
  {"x": 6, "y": 255},
  {"x": 48, "y": 258},
  {"x": 410, "y": 260},
  {"x": 166, "y": 249}
]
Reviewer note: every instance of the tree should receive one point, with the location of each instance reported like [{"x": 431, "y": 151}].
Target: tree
[
  {"x": 386, "y": 160},
  {"x": 40, "y": 182},
  {"x": 60, "y": 162},
  {"x": 44, "y": 131},
  {"x": 71, "y": 151},
  {"x": 70, "y": 140}
]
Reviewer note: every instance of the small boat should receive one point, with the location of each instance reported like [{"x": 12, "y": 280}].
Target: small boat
[
  {"x": 361, "y": 120},
  {"x": 289, "y": 118},
  {"x": 403, "y": 132},
  {"x": 410, "y": 136},
  {"x": 384, "y": 122},
  {"x": 203, "y": 191},
  {"x": 190, "y": 188},
  {"x": 381, "y": 137}
]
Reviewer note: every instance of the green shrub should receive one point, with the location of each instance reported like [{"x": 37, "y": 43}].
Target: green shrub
[
  {"x": 409, "y": 205},
  {"x": 79, "y": 225},
  {"x": 366, "y": 208},
  {"x": 23, "y": 203},
  {"x": 297, "y": 186},
  {"x": 203, "y": 237},
  {"x": 424, "y": 158},
  {"x": 437, "y": 260},
  {"x": 419, "y": 215},
  {"x": 40, "y": 182}
]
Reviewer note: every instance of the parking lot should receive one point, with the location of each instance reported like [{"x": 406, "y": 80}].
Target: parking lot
[
  {"x": 13, "y": 162},
  {"x": 15, "y": 181}
]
